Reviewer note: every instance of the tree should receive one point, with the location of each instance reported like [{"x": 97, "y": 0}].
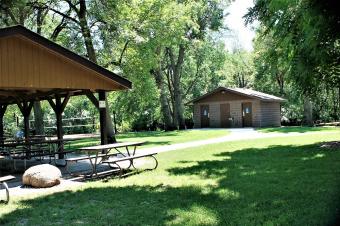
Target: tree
[
  {"x": 305, "y": 39},
  {"x": 19, "y": 12}
]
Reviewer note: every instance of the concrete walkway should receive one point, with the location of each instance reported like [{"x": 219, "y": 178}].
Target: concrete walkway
[{"x": 236, "y": 135}]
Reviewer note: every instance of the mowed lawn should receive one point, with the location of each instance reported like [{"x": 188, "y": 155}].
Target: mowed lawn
[
  {"x": 157, "y": 138},
  {"x": 276, "y": 181},
  {"x": 299, "y": 129}
]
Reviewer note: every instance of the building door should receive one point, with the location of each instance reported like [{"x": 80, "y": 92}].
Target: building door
[
  {"x": 204, "y": 116},
  {"x": 247, "y": 114},
  {"x": 225, "y": 115}
]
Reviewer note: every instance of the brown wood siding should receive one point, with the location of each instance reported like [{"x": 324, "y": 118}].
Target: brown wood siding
[
  {"x": 197, "y": 116},
  {"x": 219, "y": 96},
  {"x": 235, "y": 113},
  {"x": 27, "y": 64},
  {"x": 257, "y": 111},
  {"x": 271, "y": 114}
]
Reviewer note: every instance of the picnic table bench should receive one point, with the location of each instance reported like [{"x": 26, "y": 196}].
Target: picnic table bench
[
  {"x": 113, "y": 162},
  {"x": 3, "y": 181},
  {"x": 104, "y": 153}
]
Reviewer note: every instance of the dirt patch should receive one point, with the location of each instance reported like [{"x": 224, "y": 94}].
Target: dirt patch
[{"x": 331, "y": 145}]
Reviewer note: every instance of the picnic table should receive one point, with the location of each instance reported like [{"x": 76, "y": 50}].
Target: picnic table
[
  {"x": 35, "y": 148},
  {"x": 100, "y": 154}
]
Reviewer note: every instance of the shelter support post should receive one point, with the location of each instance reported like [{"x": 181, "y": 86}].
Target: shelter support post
[
  {"x": 3, "y": 108},
  {"x": 26, "y": 108},
  {"x": 101, "y": 106},
  {"x": 59, "y": 107},
  {"x": 102, "y": 116}
]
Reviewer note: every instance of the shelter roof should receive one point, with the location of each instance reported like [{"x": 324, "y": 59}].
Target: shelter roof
[
  {"x": 32, "y": 66},
  {"x": 243, "y": 92}
]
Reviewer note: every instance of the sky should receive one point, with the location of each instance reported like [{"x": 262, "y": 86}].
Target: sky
[{"x": 240, "y": 35}]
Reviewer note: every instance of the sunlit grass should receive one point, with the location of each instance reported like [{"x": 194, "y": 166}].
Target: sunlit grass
[
  {"x": 276, "y": 181},
  {"x": 157, "y": 138},
  {"x": 298, "y": 129}
]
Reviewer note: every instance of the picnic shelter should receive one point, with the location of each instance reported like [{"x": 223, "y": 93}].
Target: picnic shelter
[{"x": 33, "y": 68}]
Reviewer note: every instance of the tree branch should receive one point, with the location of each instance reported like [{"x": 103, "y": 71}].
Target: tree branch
[
  {"x": 9, "y": 12},
  {"x": 58, "y": 29},
  {"x": 198, "y": 63},
  {"x": 119, "y": 62},
  {"x": 64, "y": 15},
  {"x": 73, "y": 6}
]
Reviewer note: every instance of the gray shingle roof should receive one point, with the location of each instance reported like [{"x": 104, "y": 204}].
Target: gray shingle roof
[
  {"x": 244, "y": 92},
  {"x": 257, "y": 94}
]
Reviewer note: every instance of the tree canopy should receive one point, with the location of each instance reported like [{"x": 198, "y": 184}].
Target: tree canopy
[{"x": 173, "y": 51}]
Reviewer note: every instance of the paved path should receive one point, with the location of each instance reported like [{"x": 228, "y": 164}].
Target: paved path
[{"x": 236, "y": 134}]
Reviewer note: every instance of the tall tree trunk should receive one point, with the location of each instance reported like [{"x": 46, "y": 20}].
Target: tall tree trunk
[
  {"x": 307, "y": 111},
  {"x": 178, "y": 107},
  {"x": 85, "y": 30},
  {"x": 38, "y": 112},
  {"x": 165, "y": 109},
  {"x": 38, "y": 118}
]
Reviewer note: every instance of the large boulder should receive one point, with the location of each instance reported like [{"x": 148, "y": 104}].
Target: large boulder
[{"x": 42, "y": 176}]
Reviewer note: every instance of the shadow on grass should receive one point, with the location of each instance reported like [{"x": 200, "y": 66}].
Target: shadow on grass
[
  {"x": 147, "y": 134},
  {"x": 279, "y": 185},
  {"x": 157, "y": 143},
  {"x": 296, "y": 129},
  {"x": 131, "y": 205}
]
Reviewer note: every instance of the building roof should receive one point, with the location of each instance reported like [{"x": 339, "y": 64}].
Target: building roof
[
  {"x": 244, "y": 92},
  {"x": 19, "y": 30}
]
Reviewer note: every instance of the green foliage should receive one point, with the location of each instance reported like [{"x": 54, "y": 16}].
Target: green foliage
[
  {"x": 239, "y": 69},
  {"x": 297, "y": 54},
  {"x": 126, "y": 36},
  {"x": 305, "y": 34}
]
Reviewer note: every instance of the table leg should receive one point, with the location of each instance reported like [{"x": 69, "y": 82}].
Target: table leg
[
  {"x": 7, "y": 191},
  {"x": 127, "y": 150},
  {"x": 94, "y": 167},
  {"x": 134, "y": 150},
  {"x": 131, "y": 160},
  {"x": 120, "y": 152}
]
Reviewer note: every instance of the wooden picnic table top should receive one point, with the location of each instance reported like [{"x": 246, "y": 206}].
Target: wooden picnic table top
[
  {"x": 6, "y": 178},
  {"x": 110, "y": 146},
  {"x": 33, "y": 142}
]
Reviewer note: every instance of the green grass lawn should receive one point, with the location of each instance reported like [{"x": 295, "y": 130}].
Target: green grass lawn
[
  {"x": 156, "y": 138},
  {"x": 298, "y": 129},
  {"x": 276, "y": 181}
]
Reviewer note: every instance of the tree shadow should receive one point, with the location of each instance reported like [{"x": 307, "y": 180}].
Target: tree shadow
[
  {"x": 157, "y": 143},
  {"x": 278, "y": 185},
  {"x": 147, "y": 134},
  {"x": 131, "y": 205},
  {"x": 281, "y": 184}
]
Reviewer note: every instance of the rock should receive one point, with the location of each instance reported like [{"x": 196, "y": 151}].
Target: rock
[{"x": 42, "y": 176}]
